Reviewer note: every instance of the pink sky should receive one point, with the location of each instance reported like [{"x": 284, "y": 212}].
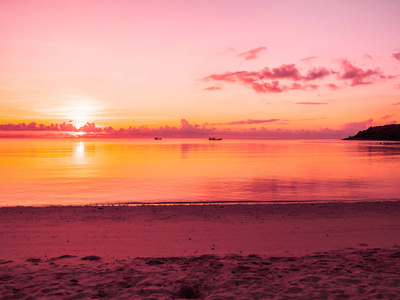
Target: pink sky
[{"x": 259, "y": 66}]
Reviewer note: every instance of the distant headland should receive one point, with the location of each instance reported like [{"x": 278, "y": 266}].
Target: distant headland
[{"x": 378, "y": 133}]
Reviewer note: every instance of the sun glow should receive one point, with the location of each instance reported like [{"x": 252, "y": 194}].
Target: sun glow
[
  {"x": 79, "y": 122},
  {"x": 80, "y": 110}
]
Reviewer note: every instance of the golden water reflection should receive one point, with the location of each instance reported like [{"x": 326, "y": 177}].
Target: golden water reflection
[{"x": 73, "y": 171}]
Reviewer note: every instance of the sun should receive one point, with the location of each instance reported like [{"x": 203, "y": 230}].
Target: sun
[
  {"x": 74, "y": 109},
  {"x": 80, "y": 110},
  {"x": 79, "y": 122}
]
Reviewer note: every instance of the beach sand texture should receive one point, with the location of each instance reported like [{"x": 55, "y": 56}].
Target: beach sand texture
[
  {"x": 338, "y": 274},
  {"x": 291, "y": 251}
]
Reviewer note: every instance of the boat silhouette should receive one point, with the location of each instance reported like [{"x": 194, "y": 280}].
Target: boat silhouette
[{"x": 214, "y": 139}]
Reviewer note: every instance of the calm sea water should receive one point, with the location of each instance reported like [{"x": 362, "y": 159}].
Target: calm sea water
[{"x": 73, "y": 171}]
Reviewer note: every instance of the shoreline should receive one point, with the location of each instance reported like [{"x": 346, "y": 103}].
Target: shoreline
[
  {"x": 182, "y": 230},
  {"x": 211, "y": 203}
]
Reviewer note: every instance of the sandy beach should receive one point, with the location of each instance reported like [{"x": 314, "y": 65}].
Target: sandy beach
[{"x": 285, "y": 251}]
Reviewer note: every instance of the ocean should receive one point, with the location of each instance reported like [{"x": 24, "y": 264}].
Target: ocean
[{"x": 36, "y": 171}]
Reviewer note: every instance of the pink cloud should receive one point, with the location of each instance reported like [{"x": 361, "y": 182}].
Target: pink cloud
[
  {"x": 228, "y": 77},
  {"x": 33, "y": 126},
  {"x": 387, "y": 116},
  {"x": 243, "y": 122},
  {"x": 317, "y": 73},
  {"x": 304, "y": 87},
  {"x": 252, "y": 54},
  {"x": 62, "y": 127},
  {"x": 356, "y": 126},
  {"x": 283, "y": 72},
  {"x": 396, "y": 55},
  {"x": 212, "y": 88},
  {"x": 308, "y": 59},
  {"x": 311, "y": 103},
  {"x": 357, "y": 75},
  {"x": 251, "y": 121},
  {"x": 398, "y": 103},
  {"x": 332, "y": 86},
  {"x": 266, "y": 87},
  {"x": 297, "y": 86},
  {"x": 266, "y": 80}
]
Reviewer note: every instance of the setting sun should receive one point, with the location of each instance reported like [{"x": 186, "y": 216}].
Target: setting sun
[{"x": 79, "y": 110}]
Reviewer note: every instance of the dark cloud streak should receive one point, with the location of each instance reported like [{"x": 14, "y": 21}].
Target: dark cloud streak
[
  {"x": 243, "y": 122},
  {"x": 311, "y": 103},
  {"x": 212, "y": 88},
  {"x": 308, "y": 59},
  {"x": 252, "y": 54},
  {"x": 396, "y": 55}
]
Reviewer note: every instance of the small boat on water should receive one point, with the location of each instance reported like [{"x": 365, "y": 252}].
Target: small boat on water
[
  {"x": 158, "y": 138},
  {"x": 214, "y": 139}
]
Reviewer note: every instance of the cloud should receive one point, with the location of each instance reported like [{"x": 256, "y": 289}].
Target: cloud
[
  {"x": 304, "y": 87},
  {"x": 387, "y": 116},
  {"x": 398, "y": 103},
  {"x": 332, "y": 86},
  {"x": 275, "y": 80},
  {"x": 252, "y": 54},
  {"x": 357, "y": 75},
  {"x": 251, "y": 121},
  {"x": 62, "y": 127},
  {"x": 269, "y": 80},
  {"x": 308, "y": 59},
  {"x": 185, "y": 123},
  {"x": 213, "y": 88},
  {"x": 243, "y": 122},
  {"x": 263, "y": 81},
  {"x": 33, "y": 126},
  {"x": 283, "y": 72},
  {"x": 188, "y": 130},
  {"x": 317, "y": 73},
  {"x": 356, "y": 126},
  {"x": 396, "y": 55},
  {"x": 311, "y": 103},
  {"x": 266, "y": 87}
]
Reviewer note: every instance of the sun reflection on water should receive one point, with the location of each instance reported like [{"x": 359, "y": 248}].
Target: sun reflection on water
[{"x": 80, "y": 149}]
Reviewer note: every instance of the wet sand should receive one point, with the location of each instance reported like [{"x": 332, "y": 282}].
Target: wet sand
[{"x": 203, "y": 251}]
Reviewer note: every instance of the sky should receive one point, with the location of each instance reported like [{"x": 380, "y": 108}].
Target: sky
[{"x": 261, "y": 68}]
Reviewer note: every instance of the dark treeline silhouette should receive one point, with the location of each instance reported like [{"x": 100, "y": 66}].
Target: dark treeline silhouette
[
  {"x": 90, "y": 128},
  {"x": 378, "y": 133},
  {"x": 33, "y": 126},
  {"x": 185, "y": 129}
]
